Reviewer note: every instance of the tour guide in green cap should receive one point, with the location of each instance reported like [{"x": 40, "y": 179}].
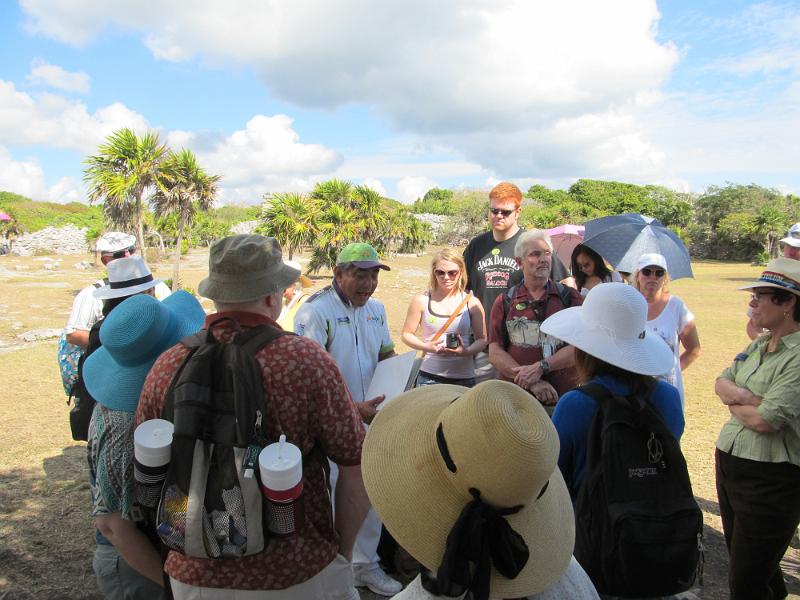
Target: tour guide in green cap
[{"x": 352, "y": 326}]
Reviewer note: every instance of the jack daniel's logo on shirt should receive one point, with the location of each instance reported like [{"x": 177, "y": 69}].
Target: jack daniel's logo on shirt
[
  {"x": 497, "y": 270},
  {"x": 496, "y": 261}
]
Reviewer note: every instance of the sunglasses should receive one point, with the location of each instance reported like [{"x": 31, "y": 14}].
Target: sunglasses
[
  {"x": 650, "y": 272},
  {"x": 450, "y": 274},
  {"x": 121, "y": 253},
  {"x": 757, "y": 296},
  {"x": 501, "y": 211}
]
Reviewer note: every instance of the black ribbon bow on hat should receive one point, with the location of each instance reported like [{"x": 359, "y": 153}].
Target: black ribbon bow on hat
[{"x": 480, "y": 537}]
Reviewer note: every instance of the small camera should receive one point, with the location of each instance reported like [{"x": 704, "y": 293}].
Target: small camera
[{"x": 452, "y": 341}]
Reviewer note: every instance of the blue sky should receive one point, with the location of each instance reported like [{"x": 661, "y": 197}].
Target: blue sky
[{"x": 404, "y": 96}]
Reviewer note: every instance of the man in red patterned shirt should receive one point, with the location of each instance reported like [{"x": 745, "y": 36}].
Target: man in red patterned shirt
[{"x": 307, "y": 396}]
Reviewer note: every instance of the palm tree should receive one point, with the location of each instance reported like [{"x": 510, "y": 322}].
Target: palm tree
[
  {"x": 338, "y": 226},
  {"x": 124, "y": 169},
  {"x": 291, "y": 219},
  {"x": 334, "y": 191},
  {"x": 183, "y": 188}
]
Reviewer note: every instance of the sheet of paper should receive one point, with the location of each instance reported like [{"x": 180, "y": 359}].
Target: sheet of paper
[{"x": 391, "y": 376}]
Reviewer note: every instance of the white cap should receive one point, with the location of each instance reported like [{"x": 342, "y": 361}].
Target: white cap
[
  {"x": 651, "y": 260},
  {"x": 793, "y": 237},
  {"x": 114, "y": 241}
]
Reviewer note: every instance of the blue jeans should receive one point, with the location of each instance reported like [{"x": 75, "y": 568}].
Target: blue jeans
[{"x": 430, "y": 379}]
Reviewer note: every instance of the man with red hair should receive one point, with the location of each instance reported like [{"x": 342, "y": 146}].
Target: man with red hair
[{"x": 491, "y": 267}]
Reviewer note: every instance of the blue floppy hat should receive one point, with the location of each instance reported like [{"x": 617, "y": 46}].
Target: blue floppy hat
[{"x": 134, "y": 335}]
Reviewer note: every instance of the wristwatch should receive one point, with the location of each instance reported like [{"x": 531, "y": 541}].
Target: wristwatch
[{"x": 545, "y": 366}]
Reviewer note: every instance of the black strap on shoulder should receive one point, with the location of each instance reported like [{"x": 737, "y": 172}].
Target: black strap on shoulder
[
  {"x": 564, "y": 293},
  {"x": 508, "y": 296},
  {"x": 255, "y": 338}
]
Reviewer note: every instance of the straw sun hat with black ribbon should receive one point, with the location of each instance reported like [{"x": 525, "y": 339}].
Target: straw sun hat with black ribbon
[{"x": 466, "y": 480}]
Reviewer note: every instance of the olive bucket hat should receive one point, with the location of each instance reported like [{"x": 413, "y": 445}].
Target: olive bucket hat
[{"x": 246, "y": 267}]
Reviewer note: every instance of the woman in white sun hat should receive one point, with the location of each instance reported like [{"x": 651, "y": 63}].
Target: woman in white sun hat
[
  {"x": 668, "y": 316},
  {"x": 612, "y": 349}
]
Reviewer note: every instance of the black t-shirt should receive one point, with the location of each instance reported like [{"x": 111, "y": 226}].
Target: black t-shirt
[{"x": 492, "y": 269}]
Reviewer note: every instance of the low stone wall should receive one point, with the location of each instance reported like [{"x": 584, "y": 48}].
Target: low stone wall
[{"x": 68, "y": 239}]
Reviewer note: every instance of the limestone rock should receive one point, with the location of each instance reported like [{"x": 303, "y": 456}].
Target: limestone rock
[{"x": 35, "y": 335}]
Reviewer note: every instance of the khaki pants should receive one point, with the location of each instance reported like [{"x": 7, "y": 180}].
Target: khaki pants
[{"x": 334, "y": 582}]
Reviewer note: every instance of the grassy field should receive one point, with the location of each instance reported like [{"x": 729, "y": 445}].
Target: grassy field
[{"x": 44, "y": 497}]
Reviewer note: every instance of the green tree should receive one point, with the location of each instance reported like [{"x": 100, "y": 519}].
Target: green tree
[
  {"x": 183, "y": 188},
  {"x": 291, "y": 219},
  {"x": 125, "y": 168},
  {"x": 338, "y": 226},
  {"x": 435, "y": 201}
]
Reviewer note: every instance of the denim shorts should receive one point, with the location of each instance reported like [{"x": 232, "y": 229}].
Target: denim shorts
[{"x": 430, "y": 379}]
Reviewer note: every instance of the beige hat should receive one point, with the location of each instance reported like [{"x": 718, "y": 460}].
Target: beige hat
[
  {"x": 781, "y": 273},
  {"x": 440, "y": 455},
  {"x": 304, "y": 280},
  {"x": 245, "y": 267}
]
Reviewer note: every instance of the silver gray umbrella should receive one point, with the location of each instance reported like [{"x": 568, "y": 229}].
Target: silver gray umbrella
[{"x": 622, "y": 239}]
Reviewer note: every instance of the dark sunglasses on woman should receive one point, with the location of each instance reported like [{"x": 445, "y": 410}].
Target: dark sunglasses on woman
[{"x": 657, "y": 272}]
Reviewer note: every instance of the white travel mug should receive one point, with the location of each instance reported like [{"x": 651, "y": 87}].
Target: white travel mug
[
  {"x": 281, "y": 468},
  {"x": 152, "y": 451}
]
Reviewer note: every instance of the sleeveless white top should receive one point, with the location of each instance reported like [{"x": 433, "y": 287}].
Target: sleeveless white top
[{"x": 454, "y": 367}]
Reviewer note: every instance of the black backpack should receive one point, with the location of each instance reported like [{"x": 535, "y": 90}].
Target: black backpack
[
  {"x": 211, "y": 505},
  {"x": 638, "y": 528},
  {"x": 82, "y": 402},
  {"x": 564, "y": 295}
]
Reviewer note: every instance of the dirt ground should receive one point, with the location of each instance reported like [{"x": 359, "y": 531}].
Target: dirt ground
[{"x": 44, "y": 497}]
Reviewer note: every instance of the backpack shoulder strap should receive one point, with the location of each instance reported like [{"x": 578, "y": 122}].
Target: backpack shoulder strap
[
  {"x": 508, "y": 296},
  {"x": 255, "y": 338},
  {"x": 564, "y": 294}
]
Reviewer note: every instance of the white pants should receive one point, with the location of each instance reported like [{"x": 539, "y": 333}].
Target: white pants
[
  {"x": 334, "y": 582},
  {"x": 365, "y": 552}
]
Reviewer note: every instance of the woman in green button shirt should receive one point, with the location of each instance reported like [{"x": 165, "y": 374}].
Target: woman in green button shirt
[{"x": 758, "y": 450}]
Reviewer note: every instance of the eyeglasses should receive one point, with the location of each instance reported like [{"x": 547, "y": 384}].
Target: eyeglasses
[
  {"x": 121, "y": 253},
  {"x": 756, "y": 296},
  {"x": 501, "y": 211},
  {"x": 653, "y": 272},
  {"x": 450, "y": 274}
]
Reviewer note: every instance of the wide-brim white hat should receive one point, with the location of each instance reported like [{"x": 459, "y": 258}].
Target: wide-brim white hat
[
  {"x": 793, "y": 237},
  {"x": 114, "y": 241},
  {"x": 612, "y": 325},
  {"x": 126, "y": 277}
]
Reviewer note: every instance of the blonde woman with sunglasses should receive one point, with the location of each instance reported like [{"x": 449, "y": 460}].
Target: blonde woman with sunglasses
[
  {"x": 667, "y": 316},
  {"x": 449, "y": 356}
]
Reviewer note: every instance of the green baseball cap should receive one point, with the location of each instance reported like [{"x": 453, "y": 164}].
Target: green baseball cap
[{"x": 361, "y": 255}]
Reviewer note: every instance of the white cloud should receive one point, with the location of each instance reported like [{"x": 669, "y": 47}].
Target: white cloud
[
  {"x": 57, "y": 121},
  {"x": 43, "y": 73},
  {"x": 265, "y": 156},
  {"x": 411, "y": 188},
  {"x": 26, "y": 177},
  {"x": 376, "y": 185},
  {"x": 464, "y": 73}
]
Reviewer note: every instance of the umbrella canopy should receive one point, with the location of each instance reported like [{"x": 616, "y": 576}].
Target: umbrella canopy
[
  {"x": 565, "y": 238},
  {"x": 622, "y": 239},
  {"x": 5, "y": 216}
]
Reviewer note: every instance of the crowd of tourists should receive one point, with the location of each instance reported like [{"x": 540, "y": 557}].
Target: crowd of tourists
[{"x": 537, "y": 454}]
